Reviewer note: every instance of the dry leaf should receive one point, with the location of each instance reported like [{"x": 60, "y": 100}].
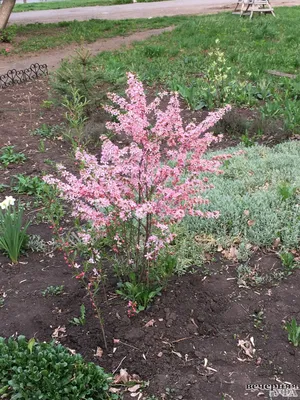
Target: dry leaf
[
  {"x": 99, "y": 352},
  {"x": 135, "y": 377},
  {"x": 246, "y": 212},
  {"x": 247, "y": 347},
  {"x": 231, "y": 254},
  {"x": 59, "y": 332},
  {"x": 149, "y": 323},
  {"x": 258, "y": 361},
  {"x": 134, "y": 388},
  {"x": 250, "y": 222},
  {"x": 116, "y": 341},
  {"x": 122, "y": 377},
  {"x": 72, "y": 351},
  {"x": 177, "y": 354},
  {"x": 219, "y": 249},
  {"x": 114, "y": 390},
  {"x": 276, "y": 243}
]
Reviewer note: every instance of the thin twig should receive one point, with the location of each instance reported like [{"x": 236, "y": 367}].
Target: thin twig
[
  {"x": 180, "y": 340},
  {"x": 129, "y": 345},
  {"x": 115, "y": 370}
]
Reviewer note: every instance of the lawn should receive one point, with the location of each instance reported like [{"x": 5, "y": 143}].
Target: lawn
[
  {"x": 38, "y": 37},
  {"x": 213, "y": 60},
  {"x": 56, "y": 5},
  {"x": 180, "y": 280}
]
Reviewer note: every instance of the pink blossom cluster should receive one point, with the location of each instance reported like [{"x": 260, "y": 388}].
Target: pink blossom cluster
[{"x": 135, "y": 193}]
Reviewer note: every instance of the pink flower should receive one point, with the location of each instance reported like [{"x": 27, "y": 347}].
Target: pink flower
[
  {"x": 136, "y": 192},
  {"x": 81, "y": 275}
]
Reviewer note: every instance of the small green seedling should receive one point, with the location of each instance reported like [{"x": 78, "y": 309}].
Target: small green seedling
[
  {"x": 286, "y": 191},
  {"x": 293, "y": 330},
  {"x": 2, "y": 299},
  {"x": 258, "y": 317},
  {"x": 47, "y": 131},
  {"x": 288, "y": 260},
  {"x": 30, "y": 185},
  {"x": 47, "y": 104},
  {"x": 80, "y": 320},
  {"x": 8, "y": 156},
  {"x": 53, "y": 291},
  {"x": 3, "y": 187}
]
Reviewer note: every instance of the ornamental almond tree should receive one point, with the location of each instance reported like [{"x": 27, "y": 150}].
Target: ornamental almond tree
[
  {"x": 5, "y": 10},
  {"x": 135, "y": 193}
]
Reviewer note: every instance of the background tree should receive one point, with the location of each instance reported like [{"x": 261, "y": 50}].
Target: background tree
[{"x": 5, "y": 11}]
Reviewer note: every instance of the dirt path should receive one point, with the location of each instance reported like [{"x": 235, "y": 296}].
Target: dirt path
[
  {"x": 137, "y": 10},
  {"x": 54, "y": 57}
]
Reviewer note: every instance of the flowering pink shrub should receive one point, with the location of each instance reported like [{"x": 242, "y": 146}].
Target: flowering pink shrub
[{"x": 135, "y": 193}]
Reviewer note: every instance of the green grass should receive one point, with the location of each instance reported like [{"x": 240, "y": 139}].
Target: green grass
[
  {"x": 37, "y": 37},
  {"x": 181, "y": 60},
  {"x": 55, "y": 5},
  {"x": 256, "y": 207}
]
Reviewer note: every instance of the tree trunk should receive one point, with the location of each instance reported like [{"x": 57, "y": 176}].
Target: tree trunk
[{"x": 5, "y": 11}]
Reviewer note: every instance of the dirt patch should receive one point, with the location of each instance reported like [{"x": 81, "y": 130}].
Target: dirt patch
[
  {"x": 199, "y": 315},
  {"x": 54, "y": 57}
]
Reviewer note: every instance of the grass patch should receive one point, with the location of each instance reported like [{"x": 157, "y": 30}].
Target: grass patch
[
  {"x": 187, "y": 60},
  {"x": 55, "y": 5},
  {"x": 36, "y": 37},
  {"x": 258, "y": 197}
]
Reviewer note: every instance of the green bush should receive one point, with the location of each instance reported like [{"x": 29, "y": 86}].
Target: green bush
[
  {"x": 7, "y": 35},
  {"x": 46, "y": 371},
  {"x": 79, "y": 74}
]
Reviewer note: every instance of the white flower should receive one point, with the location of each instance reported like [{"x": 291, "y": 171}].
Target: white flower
[{"x": 9, "y": 201}]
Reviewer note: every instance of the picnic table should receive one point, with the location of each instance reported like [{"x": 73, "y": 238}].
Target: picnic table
[{"x": 248, "y": 7}]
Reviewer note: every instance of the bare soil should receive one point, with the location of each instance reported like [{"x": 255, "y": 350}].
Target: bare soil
[
  {"x": 54, "y": 57},
  {"x": 199, "y": 316}
]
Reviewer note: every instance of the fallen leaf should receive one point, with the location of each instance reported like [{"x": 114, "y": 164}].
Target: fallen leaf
[
  {"x": 231, "y": 254},
  {"x": 134, "y": 388},
  {"x": 177, "y": 353},
  {"x": 250, "y": 222},
  {"x": 59, "y": 332},
  {"x": 122, "y": 377},
  {"x": 276, "y": 243},
  {"x": 116, "y": 341},
  {"x": 149, "y": 323},
  {"x": 99, "y": 352},
  {"x": 114, "y": 390},
  {"x": 258, "y": 361},
  {"x": 247, "y": 346},
  {"x": 135, "y": 377},
  {"x": 246, "y": 212}
]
